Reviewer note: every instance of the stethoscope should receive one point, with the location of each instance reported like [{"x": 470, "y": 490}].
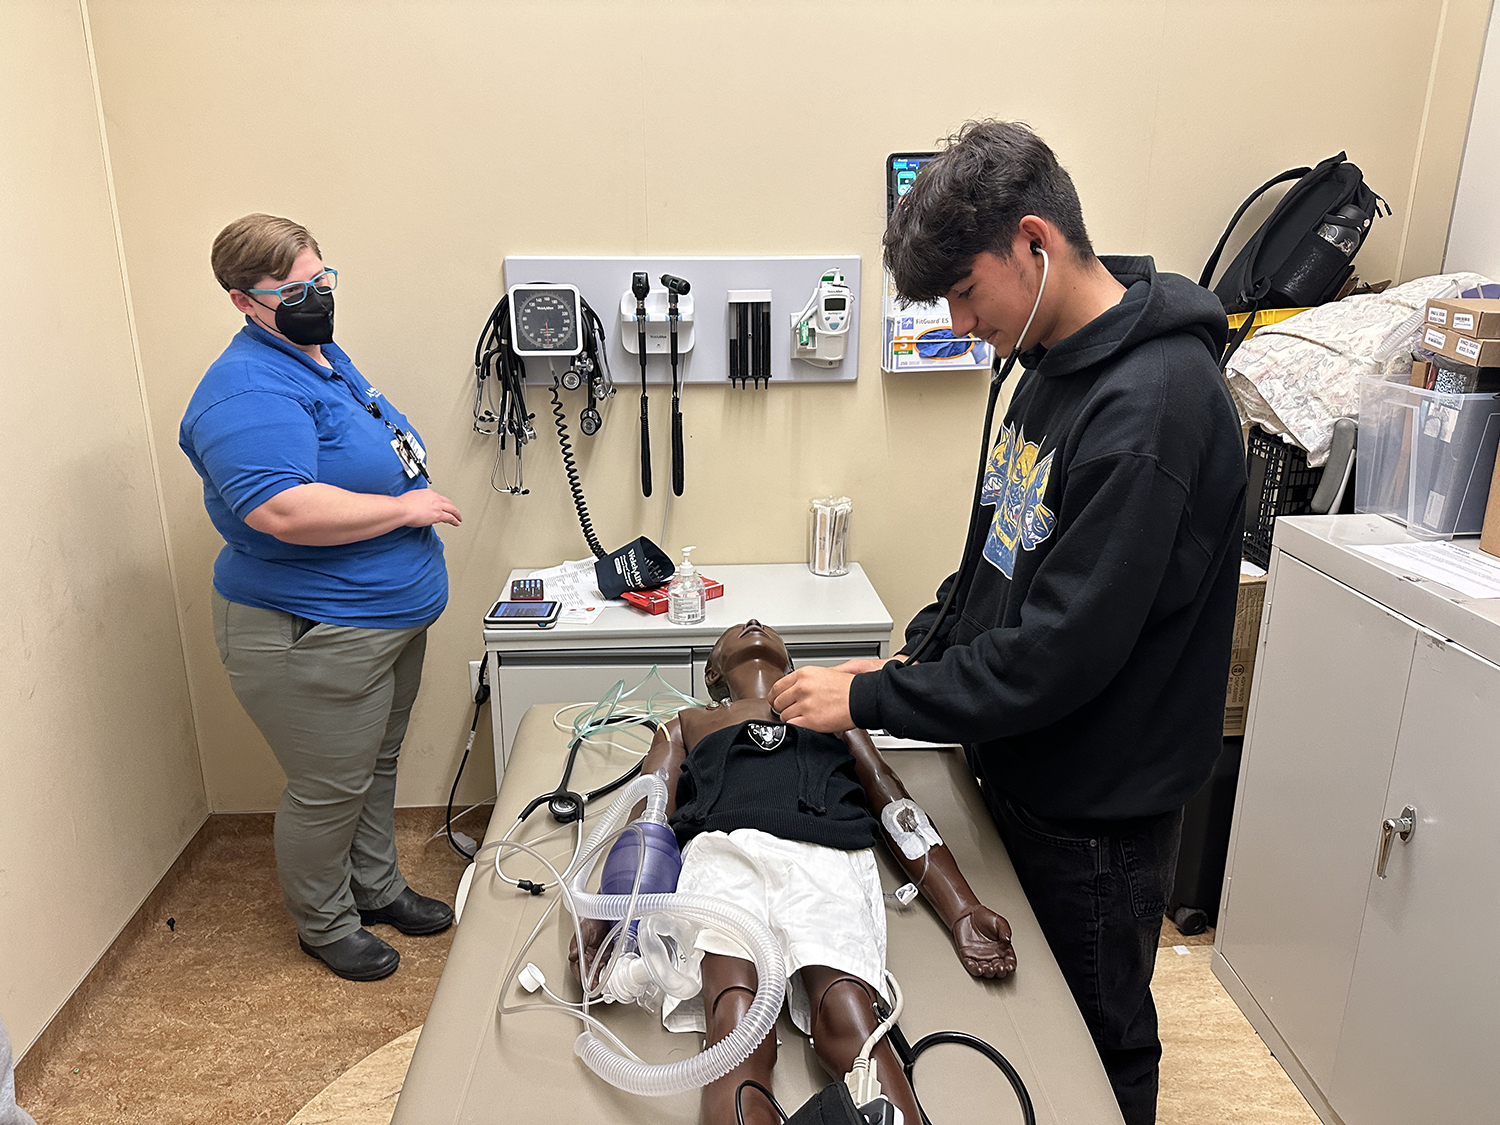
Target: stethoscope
[
  {"x": 998, "y": 374},
  {"x": 565, "y": 805}
]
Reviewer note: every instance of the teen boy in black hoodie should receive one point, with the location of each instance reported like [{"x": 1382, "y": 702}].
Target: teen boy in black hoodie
[{"x": 1084, "y": 661}]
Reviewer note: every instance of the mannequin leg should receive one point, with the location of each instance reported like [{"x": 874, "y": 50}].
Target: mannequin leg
[
  {"x": 843, "y": 1018},
  {"x": 728, "y": 988}
]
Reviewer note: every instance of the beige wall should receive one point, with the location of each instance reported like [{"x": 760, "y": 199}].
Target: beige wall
[
  {"x": 98, "y": 765},
  {"x": 424, "y": 142},
  {"x": 1474, "y": 237}
]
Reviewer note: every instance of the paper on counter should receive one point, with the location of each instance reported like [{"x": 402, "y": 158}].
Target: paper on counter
[
  {"x": 1469, "y": 572},
  {"x": 884, "y": 741},
  {"x": 574, "y": 585}
]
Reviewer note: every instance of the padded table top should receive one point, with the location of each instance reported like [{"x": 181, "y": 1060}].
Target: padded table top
[{"x": 471, "y": 1068}]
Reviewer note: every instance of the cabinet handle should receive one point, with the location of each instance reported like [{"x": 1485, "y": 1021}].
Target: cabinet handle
[{"x": 1403, "y": 825}]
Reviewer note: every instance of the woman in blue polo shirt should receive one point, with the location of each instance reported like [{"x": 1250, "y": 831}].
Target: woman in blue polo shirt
[{"x": 330, "y": 575}]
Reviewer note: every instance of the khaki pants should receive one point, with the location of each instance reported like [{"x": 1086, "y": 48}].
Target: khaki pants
[{"x": 333, "y": 701}]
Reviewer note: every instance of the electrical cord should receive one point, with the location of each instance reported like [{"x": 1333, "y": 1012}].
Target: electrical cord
[
  {"x": 480, "y": 698},
  {"x": 570, "y": 467},
  {"x": 973, "y": 1042},
  {"x": 739, "y": 1092},
  {"x": 908, "y": 1053}
]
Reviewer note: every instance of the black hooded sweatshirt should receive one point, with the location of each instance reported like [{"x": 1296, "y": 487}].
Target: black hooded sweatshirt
[{"x": 1085, "y": 661}]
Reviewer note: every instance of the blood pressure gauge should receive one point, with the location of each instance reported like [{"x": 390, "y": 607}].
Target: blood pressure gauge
[{"x": 545, "y": 319}]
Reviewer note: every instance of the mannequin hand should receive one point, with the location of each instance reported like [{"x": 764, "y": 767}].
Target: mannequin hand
[
  {"x": 865, "y": 664},
  {"x": 424, "y": 507},
  {"x": 594, "y": 931},
  {"x": 816, "y": 698},
  {"x": 982, "y": 939}
]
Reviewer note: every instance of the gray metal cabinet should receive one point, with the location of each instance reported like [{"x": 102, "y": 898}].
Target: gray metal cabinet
[
  {"x": 1421, "y": 1033},
  {"x": 1333, "y": 674},
  {"x": 1379, "y": 996}
]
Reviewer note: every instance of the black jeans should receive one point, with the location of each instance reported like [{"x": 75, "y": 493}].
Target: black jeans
[{"x": 1099, "y": 889}]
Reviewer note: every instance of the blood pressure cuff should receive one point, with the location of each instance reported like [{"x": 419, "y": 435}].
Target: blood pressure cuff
[
  {"x": 641, "y": 565},
  {"x": 831, "y": 1105}
]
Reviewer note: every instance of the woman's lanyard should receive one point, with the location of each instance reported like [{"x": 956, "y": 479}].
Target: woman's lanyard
[{"x": 408, "y": 449}]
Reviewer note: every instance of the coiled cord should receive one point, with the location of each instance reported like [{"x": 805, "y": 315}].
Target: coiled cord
[{"x": 575, "y": 486}]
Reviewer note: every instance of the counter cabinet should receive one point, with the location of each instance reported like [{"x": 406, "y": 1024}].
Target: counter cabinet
[{"x": 1380, "y": 996}]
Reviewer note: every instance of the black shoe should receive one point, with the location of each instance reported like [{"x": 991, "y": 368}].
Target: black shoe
[
  {"x": 411, "y": 913},
  {"x": 360, "y": 956}
]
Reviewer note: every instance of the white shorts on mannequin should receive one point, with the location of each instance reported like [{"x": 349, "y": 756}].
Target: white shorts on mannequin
[{"x": 824, "y": 906}]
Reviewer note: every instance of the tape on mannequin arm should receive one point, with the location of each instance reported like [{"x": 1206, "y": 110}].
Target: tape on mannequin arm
[{"x": 909, "y": 828}]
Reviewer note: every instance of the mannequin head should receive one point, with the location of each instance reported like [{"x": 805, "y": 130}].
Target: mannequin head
[{"x": 745, "y": 661}]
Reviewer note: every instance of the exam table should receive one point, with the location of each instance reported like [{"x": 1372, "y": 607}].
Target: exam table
[{"x": 469, "y": 1068}]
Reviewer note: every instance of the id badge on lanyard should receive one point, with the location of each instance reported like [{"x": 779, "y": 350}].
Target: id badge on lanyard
[{"x": 409, "y": 451}]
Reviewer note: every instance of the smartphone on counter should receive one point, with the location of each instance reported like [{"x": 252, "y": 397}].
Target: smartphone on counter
[{"x": 522, "y": 615}]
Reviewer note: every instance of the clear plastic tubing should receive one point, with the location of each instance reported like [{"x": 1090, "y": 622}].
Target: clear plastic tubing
[{"x": 659, "y": 1080}]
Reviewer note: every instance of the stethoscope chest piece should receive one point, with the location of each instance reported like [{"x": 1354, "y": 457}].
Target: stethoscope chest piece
[{"x": 565, "y": 807}]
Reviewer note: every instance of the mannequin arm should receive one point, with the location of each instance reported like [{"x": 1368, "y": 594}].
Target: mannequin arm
[
  {"x": 980, "y": 936},
  {"x": 666, "y": 750}
]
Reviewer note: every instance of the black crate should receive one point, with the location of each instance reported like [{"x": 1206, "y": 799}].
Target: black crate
[{"x": 1280, "y": 484}]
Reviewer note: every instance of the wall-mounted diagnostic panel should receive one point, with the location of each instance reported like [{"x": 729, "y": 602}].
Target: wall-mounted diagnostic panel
[
  {"x": 545, "y": 320},
  {"x": 718, "y": 339}
]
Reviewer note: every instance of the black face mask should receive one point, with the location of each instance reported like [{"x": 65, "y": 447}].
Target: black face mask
[{"x": 308, "y": 322}]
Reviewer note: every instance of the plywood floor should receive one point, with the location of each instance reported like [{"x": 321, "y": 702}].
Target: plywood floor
[{"x": 221, "y": 1016}]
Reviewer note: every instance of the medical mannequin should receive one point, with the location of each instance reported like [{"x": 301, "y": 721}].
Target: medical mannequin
[{"x": 743, "y": 665}]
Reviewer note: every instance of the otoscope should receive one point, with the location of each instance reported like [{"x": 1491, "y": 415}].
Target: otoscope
[
  {"x": 640, "y": 285},
  {"x": 998, "y": 375},
  {"x": 675, "y": 287}
]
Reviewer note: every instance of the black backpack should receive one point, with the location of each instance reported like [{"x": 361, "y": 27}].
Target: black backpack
[{"x": 1304, "y": 252}]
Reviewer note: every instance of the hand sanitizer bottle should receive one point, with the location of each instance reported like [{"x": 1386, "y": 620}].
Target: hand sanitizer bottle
[{"x": 687, "y": 600}]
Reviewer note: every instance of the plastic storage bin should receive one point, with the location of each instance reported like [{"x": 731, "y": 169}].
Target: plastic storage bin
[
  {"x": 1279, "y": 484},
  {"x": 1425, "y": 458}
]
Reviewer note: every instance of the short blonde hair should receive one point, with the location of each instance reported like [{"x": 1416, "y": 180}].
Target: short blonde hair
[{"x": 258, "y": 246}]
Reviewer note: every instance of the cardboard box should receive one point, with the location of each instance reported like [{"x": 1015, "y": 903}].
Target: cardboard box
[
  {"x": 1247, "y": 612},
  {"x": 1475, "y": 317},
  {"x": 1465, "y": 349},
  {"x": 1489, "y": 537},
  {"x": 654, "y": 601}
]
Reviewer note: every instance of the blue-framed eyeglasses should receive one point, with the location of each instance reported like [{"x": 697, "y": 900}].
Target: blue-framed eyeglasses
[{"x": 295, "y": 292}]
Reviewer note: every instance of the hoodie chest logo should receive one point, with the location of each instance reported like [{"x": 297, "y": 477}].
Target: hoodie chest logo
[
  {"x": 1015, "y": 482},
  {"x": 767, "y": 736}
]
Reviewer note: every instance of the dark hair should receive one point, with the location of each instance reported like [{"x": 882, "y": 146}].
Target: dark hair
[{"x": 970, "y": 198}]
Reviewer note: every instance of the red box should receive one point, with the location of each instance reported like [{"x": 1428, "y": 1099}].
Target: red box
[{"x": 654, "y": 601}]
